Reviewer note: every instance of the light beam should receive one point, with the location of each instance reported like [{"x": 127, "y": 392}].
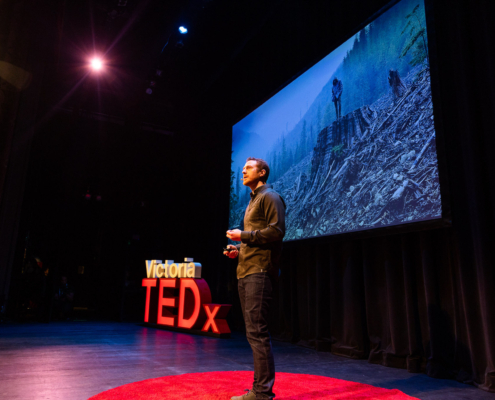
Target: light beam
[{"x": 96, "y": 64}]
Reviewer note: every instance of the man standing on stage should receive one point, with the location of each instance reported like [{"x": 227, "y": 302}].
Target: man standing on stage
[{"x": 258, "y": 269}]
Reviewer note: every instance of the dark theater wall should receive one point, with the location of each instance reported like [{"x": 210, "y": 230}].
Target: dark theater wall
[
  {"x": 418, "y": 300},
  {"x": 25, "y": 36},
  {"x": 421, "y": 300}
]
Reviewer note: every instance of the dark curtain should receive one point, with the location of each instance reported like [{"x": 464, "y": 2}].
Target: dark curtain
[
  {"x": 26, "y": 30},
  {"x": 423, "y": 300}
]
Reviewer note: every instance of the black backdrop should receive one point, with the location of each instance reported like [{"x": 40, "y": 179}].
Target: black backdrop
[{"x": 420, "y": 300}]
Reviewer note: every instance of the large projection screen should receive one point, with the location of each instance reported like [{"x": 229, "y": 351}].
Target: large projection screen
[{"x": 372, "y": 166}]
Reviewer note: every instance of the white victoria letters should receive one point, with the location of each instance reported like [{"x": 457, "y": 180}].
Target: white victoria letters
[{"x": 169, "y": 269}]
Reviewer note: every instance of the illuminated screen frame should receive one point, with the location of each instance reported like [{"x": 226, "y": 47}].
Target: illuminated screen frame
[{"x": 441, "y": 220}]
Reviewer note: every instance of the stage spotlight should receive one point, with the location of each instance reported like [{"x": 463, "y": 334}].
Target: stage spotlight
[
  {"x": 96, "y": 64},
  {"x": 183, "y": 30}
]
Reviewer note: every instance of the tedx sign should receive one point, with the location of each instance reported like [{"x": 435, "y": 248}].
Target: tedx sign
[{"x": 177, "y": 297}]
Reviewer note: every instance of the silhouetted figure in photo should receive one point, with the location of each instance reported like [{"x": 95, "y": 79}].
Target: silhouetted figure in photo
[
  {"x": 351, "y": 173},
  {"x": 63, "y": 300},
  {"x": 336, "y": 95},
  {"x": 398, "y": 87}
]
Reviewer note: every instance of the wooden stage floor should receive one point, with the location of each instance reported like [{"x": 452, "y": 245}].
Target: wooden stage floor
[{"x": 76, "y": 360}]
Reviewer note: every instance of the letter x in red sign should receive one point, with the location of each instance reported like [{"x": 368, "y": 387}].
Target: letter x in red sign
[{"x": 216, "y": 314}]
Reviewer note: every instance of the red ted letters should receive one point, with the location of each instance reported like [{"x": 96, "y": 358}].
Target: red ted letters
[{"x": 190, "y": 308}]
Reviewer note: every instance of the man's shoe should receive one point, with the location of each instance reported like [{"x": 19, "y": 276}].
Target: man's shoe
[{"x": 249, "y": 395}]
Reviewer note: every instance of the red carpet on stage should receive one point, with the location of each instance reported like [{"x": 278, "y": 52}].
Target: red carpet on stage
[{"x": 224, "y": 385}]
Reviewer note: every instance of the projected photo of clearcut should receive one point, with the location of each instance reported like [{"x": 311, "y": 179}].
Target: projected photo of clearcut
[{"x": 351, "y": 142}]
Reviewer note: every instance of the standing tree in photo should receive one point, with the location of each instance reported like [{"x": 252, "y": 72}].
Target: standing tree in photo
[
  {"x": 418, "y": 40},
  {"x": 302, "y": 142},
  {"x": 284, "y": 158},
  {"x": 238, "y": 183},
  {"x": 233, "y": 197}
]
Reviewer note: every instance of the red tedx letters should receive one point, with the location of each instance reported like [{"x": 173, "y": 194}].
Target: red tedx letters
[{"x": 191, "y": 309}]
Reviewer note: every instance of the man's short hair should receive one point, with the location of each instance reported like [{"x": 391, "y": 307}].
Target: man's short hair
[{"x": 261, "y": 164}]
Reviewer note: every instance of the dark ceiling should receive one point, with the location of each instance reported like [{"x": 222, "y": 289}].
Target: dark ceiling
[
  {"x": 235, "y": 54},
  {"x": 154, "y": 186}
]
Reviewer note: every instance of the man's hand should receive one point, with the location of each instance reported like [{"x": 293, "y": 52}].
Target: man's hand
[
  {"x": 231, "y": 251},
  {"x": 234, "y": 235}
]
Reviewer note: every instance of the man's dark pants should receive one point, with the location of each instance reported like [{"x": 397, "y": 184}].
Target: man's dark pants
[{"x": 255, "y": 293}]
